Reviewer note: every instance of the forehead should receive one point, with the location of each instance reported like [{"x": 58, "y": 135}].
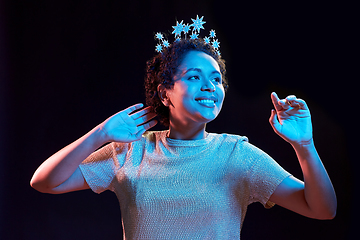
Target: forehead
[{"x": 200, "y": 60}]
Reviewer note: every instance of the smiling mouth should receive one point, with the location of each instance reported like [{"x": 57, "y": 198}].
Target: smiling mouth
[
  {"x": 206, "y": 101},
  {"x": 209, "y": 102}
]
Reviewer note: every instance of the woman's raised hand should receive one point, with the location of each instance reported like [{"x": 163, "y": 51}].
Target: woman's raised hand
[
  {"x": 291, "y": 119},
  {"x": 128, "y": 125}
]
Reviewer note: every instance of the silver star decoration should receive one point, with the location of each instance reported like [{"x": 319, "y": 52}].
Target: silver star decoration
[
  {"x": 207, "y": 40},
  {"x": 166, "y": 43},
  {"x": 158, "y": 48},
  {"x": 178, "y": 28},
  {"x": 194, "y": 29},
  {"x": 216, "y": 44},
  {"x": 198, "y": 23},
  {"x": 159, "y": 36},
  {"x": 212, "y": 33},
  {"x": 186, "y": 28},
  {"x": 194, "y": 36}
]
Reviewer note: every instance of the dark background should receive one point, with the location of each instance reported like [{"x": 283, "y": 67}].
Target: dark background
[{"x": 65, "y": 66}]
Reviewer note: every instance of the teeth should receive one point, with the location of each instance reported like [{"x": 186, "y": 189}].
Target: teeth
[{"x": 205, "y": 101}]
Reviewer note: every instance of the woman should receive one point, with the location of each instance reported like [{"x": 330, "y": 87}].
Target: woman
[{"x": 186, "y": 183}]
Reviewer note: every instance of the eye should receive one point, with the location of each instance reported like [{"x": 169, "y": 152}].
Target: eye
[
  {"x": 217, "y": 79},
  {"x": 194, "y": 78}
]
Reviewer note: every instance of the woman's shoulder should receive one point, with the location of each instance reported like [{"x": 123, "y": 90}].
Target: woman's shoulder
[
  {"x": 229, "y": 137},
  {"x": 238, "y": 143}
]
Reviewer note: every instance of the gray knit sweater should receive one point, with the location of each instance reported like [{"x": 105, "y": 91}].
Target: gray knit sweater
[{"x": 184, "y": 189}]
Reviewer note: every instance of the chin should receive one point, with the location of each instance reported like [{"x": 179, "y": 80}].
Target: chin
[{"x": 208, "y": 117}]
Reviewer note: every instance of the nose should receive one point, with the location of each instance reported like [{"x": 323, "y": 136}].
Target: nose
[{"x": 208, "y": 86}]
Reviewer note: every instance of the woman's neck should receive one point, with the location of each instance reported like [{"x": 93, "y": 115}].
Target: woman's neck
[{"x": 186, "y": 132}]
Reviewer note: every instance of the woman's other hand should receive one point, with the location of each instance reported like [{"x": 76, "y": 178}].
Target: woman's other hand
[
  {"x": 128, "y": 125},
  {"x": 291, "y": 119}
]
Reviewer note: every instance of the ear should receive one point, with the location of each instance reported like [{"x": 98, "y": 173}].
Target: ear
[{"x": 162, "y": 92}]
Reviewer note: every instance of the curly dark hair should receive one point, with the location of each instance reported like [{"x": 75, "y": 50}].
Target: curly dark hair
[{"x": 163, "y": 66}]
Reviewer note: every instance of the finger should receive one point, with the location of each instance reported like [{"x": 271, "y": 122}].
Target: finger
[
  {"x": 143, "y": 128},
  {"x": 275, "y": 100},
  {"x": 145, "y": 118},
  {"x": 148, "y": 125},
  {"x": 290, "y": 98},
  {"x": 301, "y": 104},
  {"x": 133, "y": 108},
  {"x": 275, "y": 124},
  {"x": 284, "y": 104},
  {"x": 142, "y": 112}
]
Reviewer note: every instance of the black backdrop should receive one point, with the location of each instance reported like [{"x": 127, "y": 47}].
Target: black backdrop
[{"x": 65, "y": 66}]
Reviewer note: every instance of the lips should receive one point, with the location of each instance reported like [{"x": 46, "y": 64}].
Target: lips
[
  {"x": 211, "y": 98},
  {"x": 206, "y": 100}
]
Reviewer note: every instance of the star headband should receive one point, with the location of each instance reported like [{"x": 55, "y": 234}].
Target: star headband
[{"x": 194, "y": 29}]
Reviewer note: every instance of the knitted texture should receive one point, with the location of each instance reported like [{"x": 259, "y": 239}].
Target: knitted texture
[{"x": 184, "y": 189}]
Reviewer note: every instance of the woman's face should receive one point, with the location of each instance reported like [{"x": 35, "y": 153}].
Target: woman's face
[{"x": 197, "y": 94}]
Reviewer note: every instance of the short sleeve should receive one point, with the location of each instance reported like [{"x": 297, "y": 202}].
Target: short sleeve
[
  {"x": 264, "y": 176},
  {"x": 100, "y": 168}
]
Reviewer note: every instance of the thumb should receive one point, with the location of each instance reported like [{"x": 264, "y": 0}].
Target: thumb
[{"x": 274, "y": 122}]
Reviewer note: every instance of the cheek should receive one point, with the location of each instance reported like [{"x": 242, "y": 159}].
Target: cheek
[
  {"x": 181, "y": 92},
  {"x": 221, "y": 93}
]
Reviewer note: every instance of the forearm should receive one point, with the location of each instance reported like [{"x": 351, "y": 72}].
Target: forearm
[
  {"x": 127, "y": 125},
  {"x": 60, "y": 166},
  {"x": 319, "y": 192}
]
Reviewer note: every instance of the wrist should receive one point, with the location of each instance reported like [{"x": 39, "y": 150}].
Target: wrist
[
  {"x": 98, "y": 137},
  {"x": 303, "y": 144},
  {"x": 304, "y": 149}
]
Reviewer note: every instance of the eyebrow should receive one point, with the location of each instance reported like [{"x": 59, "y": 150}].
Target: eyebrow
[{"x": 199, "y": 70}]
